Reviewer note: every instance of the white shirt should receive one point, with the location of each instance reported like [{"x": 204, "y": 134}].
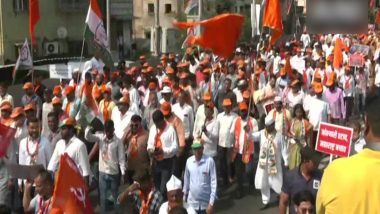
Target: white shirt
[
  {"x": 348, "y": 89},
  {"x": 294, "y": 99},
  {"x": 210, "y": 139},
  {"x": 121, "y": 121},
  {"x": 200, "y": 119},
  {"x": 76, "y": 150},
  {"x": 298, "y": 63},
  {"x": 93, "y": 63},
  {"x": 46, "y": 109},
  {"x": 377, "y": 74},
  {"x": 279, "y": 119},
  {"x": 243, "y": 123},
  {"x": 276, "y": 64},
  {"x": 186, "y": 114},
  {"x": 134, "y": 96},
  {"x": 239, "y": 95},
  {"x": 164, "y": 208},
  {"x": 318, "y": 111},
  {"x": 111, "y": 153},
  {"x": 226, "y": 136},
  {"x": 359, "y": 145},
  {"x": 168, "y": 139},
  {"x": 28, "y": 147}
]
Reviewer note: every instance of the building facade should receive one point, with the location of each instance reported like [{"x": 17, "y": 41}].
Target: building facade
[
  {"x": 59, "y": 31},
  {"x": 144, "y": 23}
]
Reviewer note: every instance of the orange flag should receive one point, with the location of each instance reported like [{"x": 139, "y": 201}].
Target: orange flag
[
  {"x": 273, "y": 19},
  {"x": 338, "y": 55},
  {"x": 71, "y": 192},
  {"x": 220, "y": 33}
]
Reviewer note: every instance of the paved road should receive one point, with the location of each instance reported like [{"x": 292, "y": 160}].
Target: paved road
[{"x": 249, "y": 203}]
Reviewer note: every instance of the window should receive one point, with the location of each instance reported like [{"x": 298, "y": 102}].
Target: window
[
  {"x": 168, "y": 8},
  {"x": 20, "y": 6},
  {"x": 72, "y": 5},
  {"x": 150, "y": 8},
  {"x": 147, "y": 34}
]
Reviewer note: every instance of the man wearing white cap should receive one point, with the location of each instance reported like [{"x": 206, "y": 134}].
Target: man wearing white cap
[
  {"x": 269, "y": 170},
  {"x": 166, "y": 94},
  {"x": 281, "y": 117},
  {"x": 175, "y": 197}
]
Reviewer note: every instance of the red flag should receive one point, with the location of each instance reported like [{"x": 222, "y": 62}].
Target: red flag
[
  {"x": 220, "y": 33},
  {"x": 6, "y": 136},
  {"x": 34, "y": 17},
  {"x": 70, "y": 195},
  {"x": 273, "y": 19}
]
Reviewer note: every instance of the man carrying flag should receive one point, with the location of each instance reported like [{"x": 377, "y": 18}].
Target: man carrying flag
[{"x": 71, "y": 146}]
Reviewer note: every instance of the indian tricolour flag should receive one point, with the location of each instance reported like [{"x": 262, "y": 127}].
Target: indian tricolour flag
[{"x": 95, "y": 33}]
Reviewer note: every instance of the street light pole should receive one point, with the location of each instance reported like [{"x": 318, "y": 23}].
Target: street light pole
[
  {"x": 108, "y": 14},
  {"x": 157, "y": 28}
]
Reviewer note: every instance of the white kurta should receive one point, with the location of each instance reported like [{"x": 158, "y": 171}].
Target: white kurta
[{"x": 262, "y": 179}]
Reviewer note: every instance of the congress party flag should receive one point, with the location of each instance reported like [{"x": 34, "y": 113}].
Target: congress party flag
[{"x": 95, "y": 33}]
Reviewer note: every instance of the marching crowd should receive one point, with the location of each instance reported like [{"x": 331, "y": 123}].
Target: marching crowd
[{"x": 181, "y": 131}]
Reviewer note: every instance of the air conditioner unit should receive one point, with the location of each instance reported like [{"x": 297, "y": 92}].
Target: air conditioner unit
[{"x": 51, "y": 48}]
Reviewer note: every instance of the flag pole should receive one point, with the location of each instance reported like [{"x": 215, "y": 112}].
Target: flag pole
[
  {"x": 31, "y": 55},
  {"x": 82, "y": 50}
]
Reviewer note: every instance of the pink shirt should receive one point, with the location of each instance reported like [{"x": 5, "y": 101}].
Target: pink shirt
[{"x": 336, "y": 103}]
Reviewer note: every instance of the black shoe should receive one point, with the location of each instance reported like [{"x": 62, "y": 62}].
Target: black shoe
[{"x": 264, "y": 207}]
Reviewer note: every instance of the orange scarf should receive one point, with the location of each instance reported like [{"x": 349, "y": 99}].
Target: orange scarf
[
  {"x": 158, "y": 144},
  {"x": 86, "y": 91},
  {"x": 106, "y": 112},
  {"x": 133, "y": 146},
  {"x": 248, "y": 145},
  {"x": 144, "y": 209}
]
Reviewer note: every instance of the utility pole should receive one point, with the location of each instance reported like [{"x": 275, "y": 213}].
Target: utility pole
[
  {"x": 157, "y": 28},
  {"x": 200, "y": 13},
  {"x": 108, "y": 14}
]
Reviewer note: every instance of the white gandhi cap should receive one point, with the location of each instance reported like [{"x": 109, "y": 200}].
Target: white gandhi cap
[{"x": 173, "y": 184}]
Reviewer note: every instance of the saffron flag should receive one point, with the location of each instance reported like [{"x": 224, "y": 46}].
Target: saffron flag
[
  {"x": 338, "y": 55},
  {"x": 24, "y": 60},
  {"x": 6, "y": 136},
  {"x": 95, "y": 33},
  {"x": 34, "y": 17},
  {"x": 190, "y": 4},
  {"x": 220, "y": 33},
  {"x": 273, "y": 19},
  {"x": 70, "y": 195}
]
